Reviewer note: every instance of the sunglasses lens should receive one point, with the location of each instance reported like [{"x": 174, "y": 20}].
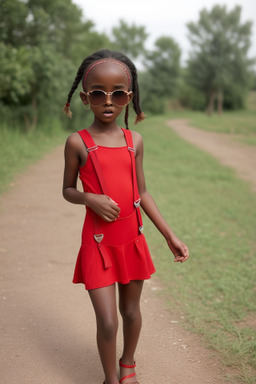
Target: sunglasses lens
[
  {"x": 120, "y": 98},
  {"x": 97, "y": 98}
]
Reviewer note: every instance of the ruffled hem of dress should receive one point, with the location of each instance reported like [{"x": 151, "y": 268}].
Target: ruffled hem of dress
[
  {"x": 88, "y": 288},
  {"x": 103, "y": 265}
]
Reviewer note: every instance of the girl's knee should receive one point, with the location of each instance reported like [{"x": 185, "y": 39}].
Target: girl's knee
[
  {"x": 107, "y": 328},
  {"x": 130, "y": 314}
]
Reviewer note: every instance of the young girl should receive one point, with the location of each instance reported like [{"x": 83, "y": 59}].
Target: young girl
[{"x": 108, "y": 160}]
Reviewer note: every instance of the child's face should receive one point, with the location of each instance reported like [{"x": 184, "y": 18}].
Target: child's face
[{"x": 108, "y": 77}]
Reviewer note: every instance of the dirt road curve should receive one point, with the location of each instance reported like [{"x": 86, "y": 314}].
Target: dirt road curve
[
  {"x": 229, "y": 152},
  {"x": 47, "y": 323}
]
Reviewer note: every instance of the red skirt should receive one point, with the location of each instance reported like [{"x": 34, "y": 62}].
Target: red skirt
[{"x": 121, "y": 256}]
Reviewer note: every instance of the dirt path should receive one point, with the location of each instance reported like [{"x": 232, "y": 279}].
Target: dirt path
[
  {"x": 47, "y": 323},
  {"x": 229, "y": 152}
]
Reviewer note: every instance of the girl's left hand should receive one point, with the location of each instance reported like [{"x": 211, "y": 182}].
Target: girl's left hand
[{"x": 178, "y": 248}]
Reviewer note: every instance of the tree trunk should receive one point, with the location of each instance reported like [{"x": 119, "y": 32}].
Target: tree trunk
[
  {"x": 31, "y": 122},
  {"x": 210, "y": 107},
  {"x": 220, "y": 102}
]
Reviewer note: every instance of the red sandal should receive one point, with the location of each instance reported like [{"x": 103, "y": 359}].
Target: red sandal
[{"x": 128, "y": 376}]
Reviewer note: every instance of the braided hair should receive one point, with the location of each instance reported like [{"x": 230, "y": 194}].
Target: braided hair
[{"x": 106, "y": 54}]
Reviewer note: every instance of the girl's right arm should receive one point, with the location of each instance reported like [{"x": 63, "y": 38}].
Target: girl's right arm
[
  {"x": 75, "y": 154},
  {"x": 72, "y": 156}
]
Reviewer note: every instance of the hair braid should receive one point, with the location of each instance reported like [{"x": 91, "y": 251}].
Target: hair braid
[
  {"x": 77, "y": 80},
  {"x": 107, "y": 54},
  {"x": 136, "y": 99},
  {"x": 126, "y": 116}
]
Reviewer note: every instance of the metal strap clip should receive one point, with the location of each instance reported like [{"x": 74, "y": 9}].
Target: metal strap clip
[
  {"x": 98, "y": 237},
  {"x": 131, "y": 149},
  {"x": 92, "y": 148},
  {"x": 137, "y": 203},
  {"x": 141, "y": 228}
]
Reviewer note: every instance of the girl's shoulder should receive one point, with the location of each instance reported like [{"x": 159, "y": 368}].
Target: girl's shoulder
[
  {"x": 75, "y": 148},
  {"x": 137, "y": 142},
  {"x": 136, "y": 137},
  {"x": 74, "y": 140},
  {"x": 74, "y": 144}
]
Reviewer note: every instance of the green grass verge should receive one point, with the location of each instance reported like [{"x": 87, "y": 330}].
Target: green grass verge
[
  {"x": 19, "y": 149},
  {"x": 240, "y": 125},
  {"x": 213, "y": 212},
  {"x": 235, "y": 122}
]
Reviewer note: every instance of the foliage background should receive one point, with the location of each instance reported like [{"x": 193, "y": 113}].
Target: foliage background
[{"x": 43, "y": 43}]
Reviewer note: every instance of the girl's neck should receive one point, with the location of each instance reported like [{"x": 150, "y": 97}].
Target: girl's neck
[
  {"x": 98, "y": 127},
  {"x": 109, "y": 135}
]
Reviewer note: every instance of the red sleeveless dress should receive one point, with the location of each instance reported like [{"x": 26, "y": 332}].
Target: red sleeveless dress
[{"x": 117, "y": 251}]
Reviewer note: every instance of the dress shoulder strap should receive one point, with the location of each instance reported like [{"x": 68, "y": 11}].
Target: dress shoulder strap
[
  {"x": 128, "y": 138},
  {"x": 92, "y": 152},
  {"x": 136, "y": 195},
  {"x": 87, "y": 139}
]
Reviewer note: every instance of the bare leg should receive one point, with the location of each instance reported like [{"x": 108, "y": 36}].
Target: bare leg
[
  {"x": 104, "y": 303},
  {"x": 129, "y": 305}
]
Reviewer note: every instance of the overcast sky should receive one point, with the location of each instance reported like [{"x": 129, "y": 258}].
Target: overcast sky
[{"x": 161, "y": 17}]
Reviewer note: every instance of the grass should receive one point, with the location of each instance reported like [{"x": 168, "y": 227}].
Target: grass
[
  {"x": 240, "y": 125},
  {"x": 213, "y": 212},
  {"x": 19, "y": 149},
  {"x": 209, "y": 208},
  {"x": 238, "y": 122}
]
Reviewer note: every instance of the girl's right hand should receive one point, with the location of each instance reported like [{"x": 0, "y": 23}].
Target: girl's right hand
[{"x": 103, "y": 206}]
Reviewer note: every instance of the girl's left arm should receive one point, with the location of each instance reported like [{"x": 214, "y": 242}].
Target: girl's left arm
[{"x": 178, "y": 248}]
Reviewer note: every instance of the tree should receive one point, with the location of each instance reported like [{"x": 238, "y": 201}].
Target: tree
[
  {"x": 160, "y": 82},
  {"x": 220, "y": 44},
  {"x": 42, "y": 44},
  {"x": 129, "y": 39},
  {"x": 163, "y": 63},
  {"x": 13, "y": 16},
  {"x": 15, "y": 75}
]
